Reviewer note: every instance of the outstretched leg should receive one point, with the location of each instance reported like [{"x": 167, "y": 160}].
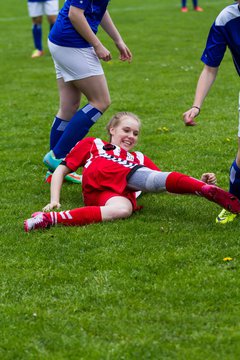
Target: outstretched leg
[
  {"x": 148, "y": 180},
  {"x": 117, "y": 207}
]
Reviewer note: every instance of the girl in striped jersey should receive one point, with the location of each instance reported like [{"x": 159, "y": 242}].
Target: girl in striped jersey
[{"x": 112, "y": 174}]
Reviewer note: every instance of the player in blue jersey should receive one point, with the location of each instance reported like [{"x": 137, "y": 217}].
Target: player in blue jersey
[
  {"x": 223, "y": 33},
  {"x": 195, "y": 6},
  {"x": 76, "y": 52},
  {"x": 36, "y": 10}
]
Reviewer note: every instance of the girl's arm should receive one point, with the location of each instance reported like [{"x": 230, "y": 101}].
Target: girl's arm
[
  {"x": 81, "y": 25},
  {"x": 56, "y": 185},
  {"x": 205, "y": 81},
  {"x": 109, "y": 27}
]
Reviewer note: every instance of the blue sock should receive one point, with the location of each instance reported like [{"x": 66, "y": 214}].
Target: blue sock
[
  {"x": 77, "y": 128},
  {"x": 195, "y": 3},
  {"x": 184, "y": 2},
  {"x": 57, "y": 130},
  {"x": 37, "y": 36},
  {"x": 234, "y": 184}
]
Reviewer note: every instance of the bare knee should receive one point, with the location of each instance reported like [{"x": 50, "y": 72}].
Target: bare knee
[
  {"x": 106, "y": 104},
  {"x": 37, "y": 20},
  {"x": 51, "y": 19},
  {"x": 102, "y": 105},
  {"x": 115, "y": 212},
  {"x": 67, "y": 110},
  {"x": 72, "y": 108},
  {"x": 117, "y": 207},
  {"x": 123, "y": 212}
]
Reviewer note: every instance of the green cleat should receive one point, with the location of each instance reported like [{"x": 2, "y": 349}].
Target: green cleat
[
  {"x": 225, "y": 217},
  {"x": 51, "y": 161},
  {"x": 72, "y": 177}
]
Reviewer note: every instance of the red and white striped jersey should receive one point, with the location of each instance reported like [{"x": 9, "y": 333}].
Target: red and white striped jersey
[
  {"x": 106, "y": 169},
  {"x": 86, "y": 151}
]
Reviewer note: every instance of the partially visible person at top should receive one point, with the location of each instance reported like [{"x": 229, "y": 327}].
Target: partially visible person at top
[
  {"x": 36, "y": 10},
  {"x": 76, "y": 52},
  {"x": 195, "y": 6},
  {"x": 223, "y": 33},
  {"x": 111, "y": 176}
]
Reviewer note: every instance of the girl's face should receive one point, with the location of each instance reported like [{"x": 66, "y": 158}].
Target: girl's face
[{"x": 125, "y": 134}]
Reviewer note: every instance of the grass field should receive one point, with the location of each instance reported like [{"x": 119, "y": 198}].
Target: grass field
[{"x": 154, "y": 286}]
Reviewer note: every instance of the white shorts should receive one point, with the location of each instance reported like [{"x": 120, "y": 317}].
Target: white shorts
[
  {"x": 49, "y": 8},
  {"x": 75, "y": 63}
]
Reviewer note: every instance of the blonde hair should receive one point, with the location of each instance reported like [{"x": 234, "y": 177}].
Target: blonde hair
[{"x": 118, "y": 117}]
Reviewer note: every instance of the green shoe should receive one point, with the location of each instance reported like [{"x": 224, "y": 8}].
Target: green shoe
[
  {"x": 51, "y": 161},
  {"x": 72, "y": 177},
  {"x": 225, "y": 217}
]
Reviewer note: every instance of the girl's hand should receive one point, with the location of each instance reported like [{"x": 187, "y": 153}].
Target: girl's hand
[
  {"x": 52, "y": 205},
  {"x": 102, "y": 52},
  {"x": 125, "y": 53},
  {"x": 209, "y": 178},
  {"x": 189, "y": 116}
]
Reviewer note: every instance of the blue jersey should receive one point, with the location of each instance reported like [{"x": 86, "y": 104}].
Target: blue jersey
[
  {"x": 225, "y": 32},
  {"x": 64, "y": 34}
]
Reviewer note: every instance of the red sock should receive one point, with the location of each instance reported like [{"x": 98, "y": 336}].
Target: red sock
[
  {"x": 78, "y": 217},
  {"x": 182, "y": 184}
]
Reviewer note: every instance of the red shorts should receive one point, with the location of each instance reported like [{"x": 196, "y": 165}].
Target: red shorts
[
  {"x": 104, "y": 179},
  {"x": 99, "y": 198}
]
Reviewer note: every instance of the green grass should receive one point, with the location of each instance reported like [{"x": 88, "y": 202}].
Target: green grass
[{"x": 154, "y": 286}]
